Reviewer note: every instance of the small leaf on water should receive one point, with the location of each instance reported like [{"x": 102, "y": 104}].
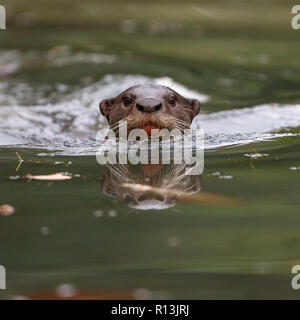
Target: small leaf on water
[
  {"x": 7, "y": 210},
  {"x": 52, "y": 177}
]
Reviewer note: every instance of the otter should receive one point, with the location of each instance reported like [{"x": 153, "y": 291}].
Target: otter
[
  {"x": 150, "y": 107},
  {"x": 152, "y": 186}
]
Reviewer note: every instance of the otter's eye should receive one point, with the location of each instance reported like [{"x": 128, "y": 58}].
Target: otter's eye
[
  {"x": 172, "y": 101},
  {"x": 127, "y": 101}
]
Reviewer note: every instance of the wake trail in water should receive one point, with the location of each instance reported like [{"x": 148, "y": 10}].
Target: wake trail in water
[
  {"x": 71, "y": 123},
  {"x": 246, "y": 125}
]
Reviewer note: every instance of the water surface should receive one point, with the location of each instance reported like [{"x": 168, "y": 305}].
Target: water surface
[{"x": 51, "y": 82}]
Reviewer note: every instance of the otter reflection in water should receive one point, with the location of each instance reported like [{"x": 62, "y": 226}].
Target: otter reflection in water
[
  {"x": 149, "y": 186},
  {"x": 159, "y": 186}
]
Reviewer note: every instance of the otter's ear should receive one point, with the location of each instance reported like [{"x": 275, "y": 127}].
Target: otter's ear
[
  {"x": 104, "y": 107},
  {"x": 194, "y": 106}
]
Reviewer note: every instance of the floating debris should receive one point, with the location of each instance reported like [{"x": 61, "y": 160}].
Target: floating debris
[
  {"x": 220, "y": 176},
  {"x": 55, "y": 176},
  {"x": 14, "y": 177},
  {"x": 142, "y": 294},
  {"x": 98, "y": 213},
  {"x": 228, "y": 177},
  {"x": 68, "y": 174},
  {"x": 294, "y": 168},
  {"x": 7, "y": 210},
  {"x": 112, "y": 213},
  {"x": 45, "y": 231},
  {"x": 173, "y": 242},
  {"x": 214, "y": 174},
  {"x": 19, "y": 157},
  {"x": 44, "y": 154},
  {"x": 66, "y": 290},
  {"x": 20, "y": 161},
  {"x": 58, "y": 162},
  {"x": 256, "y": 155}
]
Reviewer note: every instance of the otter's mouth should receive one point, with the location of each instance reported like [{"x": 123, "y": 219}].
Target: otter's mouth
[
  {"x": 149, "y": 127},
  {"x": 148, "y": 124}
]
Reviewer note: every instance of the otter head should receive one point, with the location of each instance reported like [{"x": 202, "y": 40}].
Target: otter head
[{"x": 150, "y": 107}]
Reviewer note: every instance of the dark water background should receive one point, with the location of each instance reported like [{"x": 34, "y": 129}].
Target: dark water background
[{"x": 58, "y": 59}]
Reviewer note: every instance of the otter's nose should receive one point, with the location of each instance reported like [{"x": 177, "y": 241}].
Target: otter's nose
[{"x": 149, "y": 105}]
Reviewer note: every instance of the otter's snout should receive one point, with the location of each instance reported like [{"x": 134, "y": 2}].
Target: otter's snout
[{"x": 149, "y": 105}]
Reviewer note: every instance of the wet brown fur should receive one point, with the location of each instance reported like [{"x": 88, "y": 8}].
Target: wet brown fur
[{"x": 171, "y": 116}]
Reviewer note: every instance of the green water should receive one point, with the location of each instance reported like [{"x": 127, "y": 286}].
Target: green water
[{"x": 245, "y": 250}]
